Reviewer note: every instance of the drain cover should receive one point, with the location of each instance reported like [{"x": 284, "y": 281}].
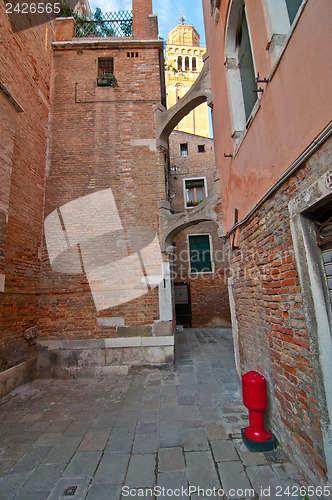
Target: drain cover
[{"x": 69, "y": 491}]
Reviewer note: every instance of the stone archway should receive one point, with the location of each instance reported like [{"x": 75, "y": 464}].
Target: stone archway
[{"x": 167, "y": 119}]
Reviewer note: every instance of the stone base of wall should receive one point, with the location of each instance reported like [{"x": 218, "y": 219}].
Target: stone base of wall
[
  {"x": 17, "y": 375},
  {"x": 89, "y": 358}
]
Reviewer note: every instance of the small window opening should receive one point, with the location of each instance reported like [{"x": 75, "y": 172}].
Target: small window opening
[
  {"x": 106, "y": 73},
  {"x": 201, "y": 148},
  {"x": 179, "y": 63},
  {"x": 184, "y": 149},
  {"x": 194, "y": 64},
  {"x": 195, "y": 192},
  {"x": 186, "y": 63}
]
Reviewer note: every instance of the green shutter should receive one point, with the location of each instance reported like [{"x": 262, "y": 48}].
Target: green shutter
[
  {"x": 200, "y": 255},
  {"x": 293, "y": 7},
  {"x": 247, "y": 71}
]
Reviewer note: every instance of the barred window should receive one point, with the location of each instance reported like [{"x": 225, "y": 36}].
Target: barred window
[{"x": 105, "y": 66}]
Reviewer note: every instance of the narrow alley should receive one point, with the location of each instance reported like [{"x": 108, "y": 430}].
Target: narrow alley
[{"x": 157, "y": 433}]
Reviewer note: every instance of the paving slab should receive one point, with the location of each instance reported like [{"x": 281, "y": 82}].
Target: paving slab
[
  {"x": 201, "y": 470},
  {"x": 195, "y": 440},
  {"x": 94, "y": 441},
  {"x": 121, "y": 440},
  {"x": 141, "y": 471},
  {"x": 104, "y": 492},
  {"x": 171, "y": 460},
  {"x": 83, "y": 464},
  {"x": 112, "y": 468},
  {"x": 173, "y": 485},
  {"x": 70, "y": 487},
  {"x": 170, "y": 433},
  {"x": 234, "y": 480},
  {"x": 91, "y": 437},
  {"x": 224, "y": 450}
]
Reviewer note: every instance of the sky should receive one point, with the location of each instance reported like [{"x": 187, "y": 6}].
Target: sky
[{"x": 169, "y": 13}]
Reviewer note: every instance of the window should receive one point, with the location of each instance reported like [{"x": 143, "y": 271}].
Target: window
[
  {"x": 201, "y": 148},
  {"x": 280, "y": 17},
  {"x": 195, "y": 191},
  {"x": 240, "y": 69},
  {"x": 200, "y": 254},
  {"x": 323, "y": 226},
  {"x": 292, "y": 8},
  {"x": 186, "y": 63},
  {"x": 194, "y": 64},
  {"x": 105, "y": 73},
  {"x": 246, "y": 65},
  {"x": 180, "y": 63},
  {"x": 184, "y": 149}
]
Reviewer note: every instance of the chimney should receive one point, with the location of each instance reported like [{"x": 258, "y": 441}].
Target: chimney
[{"x": 145, "y": 24}]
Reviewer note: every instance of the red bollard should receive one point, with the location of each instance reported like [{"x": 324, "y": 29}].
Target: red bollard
[{"x": 256, "y": 437}]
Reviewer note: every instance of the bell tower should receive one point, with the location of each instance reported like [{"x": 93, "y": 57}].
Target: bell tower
[{"x": 184, "y": 61}]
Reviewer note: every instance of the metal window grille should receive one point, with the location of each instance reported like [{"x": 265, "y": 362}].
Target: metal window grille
[
  {"x": 323, "y": 225},
  {"x": 105, "y": 66},
  {"x": 105, "y": 24}
]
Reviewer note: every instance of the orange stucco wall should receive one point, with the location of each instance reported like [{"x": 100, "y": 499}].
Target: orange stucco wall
[{"x": 295, "y": 107}]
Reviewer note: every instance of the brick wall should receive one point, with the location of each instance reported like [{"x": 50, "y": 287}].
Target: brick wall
[
  {"x": 25, "y": 60},
  {"x": 103, "y": 147},
  {"x": 273, "y": 334},
  {"x": 209, "y": 295}
]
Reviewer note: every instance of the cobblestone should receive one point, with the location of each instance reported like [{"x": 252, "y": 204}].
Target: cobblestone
[{"x": 150, "y": 428}]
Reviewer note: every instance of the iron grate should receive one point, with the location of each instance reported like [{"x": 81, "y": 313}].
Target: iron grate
[{"x": 105, "y": 24}]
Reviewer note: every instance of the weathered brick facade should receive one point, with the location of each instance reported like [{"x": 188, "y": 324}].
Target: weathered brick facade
[
  {"x": 273, "y": 333},
  {"x": 103, "y": 272},
  {"x": 209, "y": 295},
  {"x": 24, "y": 109},
  {"x": 273, "y": 157}
]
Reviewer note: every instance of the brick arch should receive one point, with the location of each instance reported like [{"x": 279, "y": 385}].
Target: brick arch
[{"x": 167, "y": 119}]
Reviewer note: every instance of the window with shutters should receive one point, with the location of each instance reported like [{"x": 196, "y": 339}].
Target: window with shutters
[
  {"x": 323, "y": 226},
  {"x": 195, "y": 191},
  {"x": 246, "y": 66},
  {"x": 293, "y": 8},
  {"x": 241, "y": 72},
  {"x": 200, "y": 253}
]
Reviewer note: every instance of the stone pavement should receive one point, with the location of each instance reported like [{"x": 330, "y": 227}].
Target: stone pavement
[{"x": 163, "y": 428}]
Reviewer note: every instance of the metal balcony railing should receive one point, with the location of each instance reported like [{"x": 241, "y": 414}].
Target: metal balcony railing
[{"x": 105, "y": 24}]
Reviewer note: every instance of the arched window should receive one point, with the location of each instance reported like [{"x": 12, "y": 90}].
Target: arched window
[
  {"x": 246, "y": 66},
  {"x": 280, "y": 17},
  {"x": 292, "y": 8},
  {"x": 186, "y": 63},
  {"x": 178, "y": 91},
  {"x": 194, "y": 64},
  {"x": 240, "y": 67},
  {"x": 179, "y": 63}
]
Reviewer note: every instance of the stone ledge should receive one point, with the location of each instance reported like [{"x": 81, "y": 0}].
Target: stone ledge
[
  {"x": 17, "y": 375},
  {"x": 97, "y": 344}
]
